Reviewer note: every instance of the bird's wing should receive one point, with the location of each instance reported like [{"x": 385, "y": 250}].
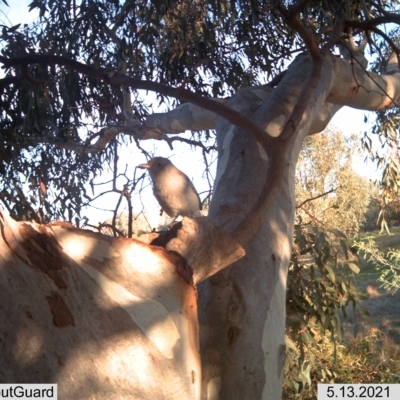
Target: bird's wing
[{"x": 194, "y": 189}]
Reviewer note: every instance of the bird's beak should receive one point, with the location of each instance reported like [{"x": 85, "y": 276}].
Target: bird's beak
[{"x": 144, "y": 166}]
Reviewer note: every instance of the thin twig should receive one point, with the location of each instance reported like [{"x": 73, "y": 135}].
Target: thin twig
[
  {"x": 193, "y": 143},
  {"x": 313, "y": 217},
  {"x": 317, "y": 197}
]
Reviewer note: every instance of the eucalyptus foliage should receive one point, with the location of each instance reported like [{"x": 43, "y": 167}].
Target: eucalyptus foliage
[
  {"x": 211, "y": 47},
  {"x": 232, "y": 44},
  {"x": 387, "y": 264},
  {"x": 320, "y": 286}
]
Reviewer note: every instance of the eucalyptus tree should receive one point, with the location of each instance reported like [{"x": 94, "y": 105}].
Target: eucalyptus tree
[
  {"x": 263, "y": 74},
  {"x": 336, "y": 196}
]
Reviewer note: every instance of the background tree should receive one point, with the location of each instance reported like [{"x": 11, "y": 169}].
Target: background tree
[
  {"x": 329, "y": 193},
  {"x": 67, "y": 109},
  {"x": 331, "y": 203}
]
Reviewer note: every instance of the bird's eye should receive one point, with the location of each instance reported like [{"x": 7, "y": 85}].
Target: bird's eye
[{"x": 159, "y": 164}]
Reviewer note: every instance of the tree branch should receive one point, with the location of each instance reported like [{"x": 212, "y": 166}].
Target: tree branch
[
  {"x": 11, "y": 80},
  {"x": 302, "y": 101},
  {"x": 317, "y": 197},
  {"x": 298, "y": 6},
  {"x": 290, "y": 16},
  {"x": 314, "y": 218},
  {"x": 105, "y": 136},
  {"x": 116, "y": 78},
  {"x": 369, "y": 24},
  {"x": 207, "y": 149}
]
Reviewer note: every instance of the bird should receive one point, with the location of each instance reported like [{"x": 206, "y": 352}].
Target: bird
[{"x": 173, "y": 189}]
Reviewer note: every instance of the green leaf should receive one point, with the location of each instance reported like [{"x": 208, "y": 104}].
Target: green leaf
[
  {"x": 320, "y": 241},
  {"x": 343, "y": 245},
  {"x": 354, "y": 267},
  {"x": 290, "y": 344},
  {"x": 311, "y": 357},
  {"x": 337, "y": 232},
  {"x": 330, "y": 273}
]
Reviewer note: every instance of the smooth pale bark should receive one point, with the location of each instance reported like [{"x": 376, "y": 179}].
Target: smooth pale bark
[
  {"x": 242, "y": 308},
  {"x": 365, "y": 90},
  {"x": 352, "y": 86},
  {"x": 102, "y": 317}
]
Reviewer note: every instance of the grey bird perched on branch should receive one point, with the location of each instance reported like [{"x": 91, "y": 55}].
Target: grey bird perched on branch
[{"x": 173, "y": 189}]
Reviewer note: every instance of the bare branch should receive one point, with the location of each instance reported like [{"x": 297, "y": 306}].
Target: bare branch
[
  {"x": 317, "y": 197},
  {"x": 290, "y": 17},
  {"x": 333, "y": 38},
  {"x": 103, "y": 225},
  {"x": 105, "y": 136},
  {"x": 354, "y": 52},
  {"x": 114, "y": 219},
  {"x": 207, "y": 174},
  {"x": 368, "y": 25},
  {"x": 313, "y": 217},
  {"x": 207, "y": 149}
]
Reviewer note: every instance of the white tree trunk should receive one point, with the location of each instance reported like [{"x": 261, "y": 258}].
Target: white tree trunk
[{"x": 242, "y": 308}]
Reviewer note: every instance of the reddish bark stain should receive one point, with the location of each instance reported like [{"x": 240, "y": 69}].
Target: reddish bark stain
[
  {"x": 62, "y": 315},
  {"x": 183, "y": 269},
  {"x": 44, "y": 252}
]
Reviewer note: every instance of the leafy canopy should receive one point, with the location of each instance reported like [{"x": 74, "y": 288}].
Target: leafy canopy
[{"x": 208, "y": 46}]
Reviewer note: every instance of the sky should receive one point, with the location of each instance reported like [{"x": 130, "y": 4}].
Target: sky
[
  {"x": 347, "y": 120},
  {"x": 351, "y": 121}
]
